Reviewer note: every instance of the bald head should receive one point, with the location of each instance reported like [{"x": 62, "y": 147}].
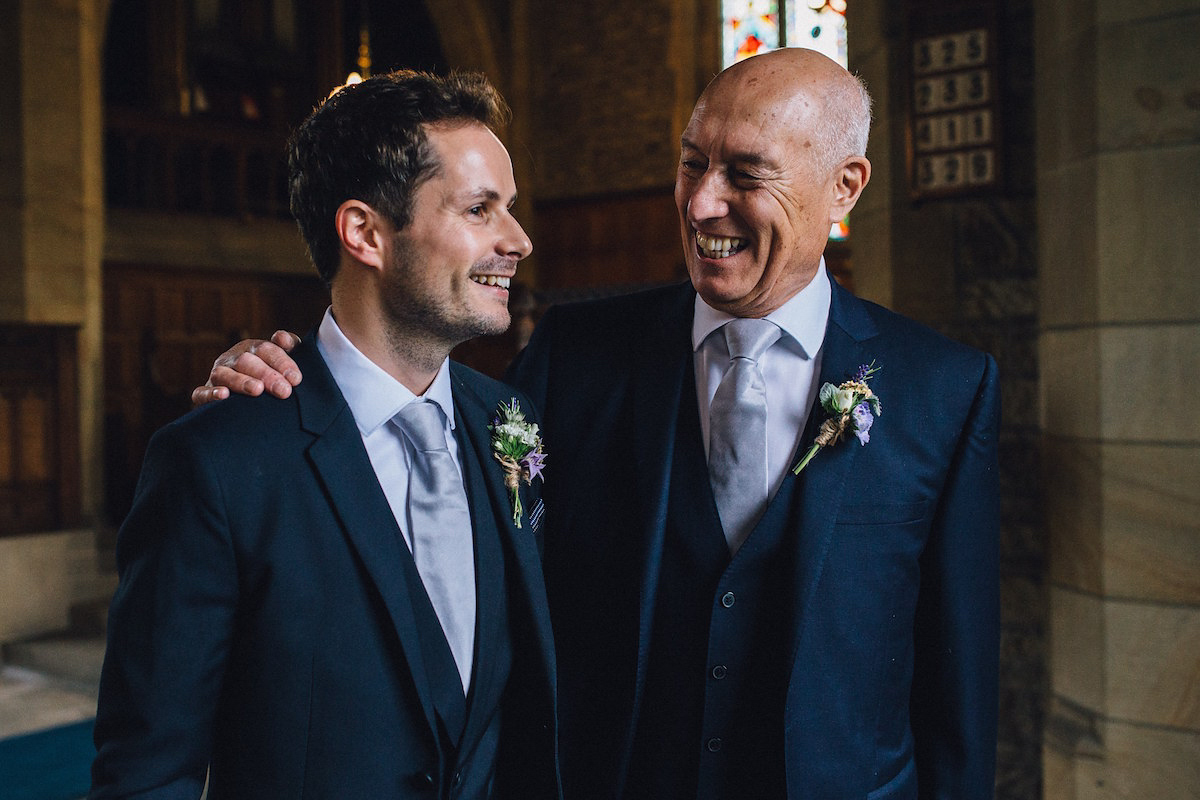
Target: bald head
[
  {"x": 810, "y": 88},
  {"x": 773, "y": 154}
]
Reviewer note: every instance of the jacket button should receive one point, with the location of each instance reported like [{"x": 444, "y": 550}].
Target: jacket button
[
  {"x": 458, "y": 779},
  {"x": 714, "y": 745},
  {"x": 719, "y": 671},
  {"x": 727, "y": 599},
  {"x": 424, "y": 780}
]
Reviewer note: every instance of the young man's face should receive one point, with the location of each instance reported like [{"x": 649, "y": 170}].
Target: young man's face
[{"x": 451, "y": 265}]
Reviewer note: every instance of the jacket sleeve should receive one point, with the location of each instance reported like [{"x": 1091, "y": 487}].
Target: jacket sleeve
[
  {"x": 955, "y": 678},
  {"x": 169, "y": 629}
]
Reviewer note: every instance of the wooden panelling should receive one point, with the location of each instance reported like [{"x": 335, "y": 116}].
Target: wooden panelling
[
  {"x": 625, "y": 240},
  {"x": 162, "y": 330},
  {"x": 39, "y": 428}
]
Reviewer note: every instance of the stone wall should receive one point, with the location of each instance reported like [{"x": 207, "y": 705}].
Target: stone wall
[
  {"x": 42, "y": 576},
  {"x": 1118, "y": 158}
]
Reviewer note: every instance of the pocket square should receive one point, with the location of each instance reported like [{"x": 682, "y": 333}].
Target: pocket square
[{"x": 535, "y": 516}]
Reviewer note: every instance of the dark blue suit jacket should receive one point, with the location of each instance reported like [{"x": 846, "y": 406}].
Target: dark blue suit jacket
[
  {"x": 263, "y": 623},
  {"x": 893, "y": 623}
]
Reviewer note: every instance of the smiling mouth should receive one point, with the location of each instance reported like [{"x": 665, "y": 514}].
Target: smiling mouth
[
  {"x": 719, "y": 246},
  {"x": 492, "y": 280}
]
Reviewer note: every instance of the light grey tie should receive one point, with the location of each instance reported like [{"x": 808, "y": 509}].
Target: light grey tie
[
  {"x": 442, "y": 543},
  {"x": 737, "y": 431}
]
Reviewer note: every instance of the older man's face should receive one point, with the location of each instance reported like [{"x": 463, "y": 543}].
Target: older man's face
[{"x": 755, "y": 202}]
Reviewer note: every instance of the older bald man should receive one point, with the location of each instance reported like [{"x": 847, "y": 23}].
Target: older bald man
[{"x": 727, "y": 626}]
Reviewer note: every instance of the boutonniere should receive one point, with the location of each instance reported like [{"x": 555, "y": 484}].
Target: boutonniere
[
  {"x": 518, "y": 447},
  {"x": 852, "y": 408}
]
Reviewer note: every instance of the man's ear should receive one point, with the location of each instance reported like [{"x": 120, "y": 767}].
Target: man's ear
[
  {"x": 363, "y": 232},
  {"x": 851, "y": 178}
]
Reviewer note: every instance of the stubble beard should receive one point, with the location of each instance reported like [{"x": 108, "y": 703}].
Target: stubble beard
[{"x": 424, "y": 328}]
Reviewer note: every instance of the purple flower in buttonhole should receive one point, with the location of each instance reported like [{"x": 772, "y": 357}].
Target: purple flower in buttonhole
[
  {"x": 863, "y": 418},
  {"x": 533, "y": 464}
]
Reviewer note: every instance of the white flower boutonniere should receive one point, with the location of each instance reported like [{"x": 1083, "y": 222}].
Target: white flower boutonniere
[
  {"x": 852, "y": 408},
  {"x": 518, "y": 447}
]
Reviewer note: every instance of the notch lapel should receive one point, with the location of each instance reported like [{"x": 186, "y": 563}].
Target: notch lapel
[
  {"x": 490, "y": 505},
  {"x": 342, "y": 466},
  {"x": 821, "y": 486}
]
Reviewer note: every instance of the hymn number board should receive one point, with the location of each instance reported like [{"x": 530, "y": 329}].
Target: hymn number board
[{"x": 954, "y": 125}]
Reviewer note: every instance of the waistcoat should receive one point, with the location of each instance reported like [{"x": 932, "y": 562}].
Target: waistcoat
[
  {"x": 469, "y": 728},
  {"x": 710, "y": 723}
]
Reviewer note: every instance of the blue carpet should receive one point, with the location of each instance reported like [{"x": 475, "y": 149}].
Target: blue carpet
[{"x": 52, "y": 764}]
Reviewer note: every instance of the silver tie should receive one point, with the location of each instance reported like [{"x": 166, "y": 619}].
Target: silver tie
[
  {"x": 442, "y": 543},
  {"x": 737, "y": 431}
]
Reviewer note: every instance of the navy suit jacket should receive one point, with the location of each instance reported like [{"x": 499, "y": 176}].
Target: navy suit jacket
[
  {"x": 893, "y": 623},
  {"x": 263, "y": 622}
]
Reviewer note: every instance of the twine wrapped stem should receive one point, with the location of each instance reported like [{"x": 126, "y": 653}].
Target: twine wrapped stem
[{"x": 512, "y": 482}]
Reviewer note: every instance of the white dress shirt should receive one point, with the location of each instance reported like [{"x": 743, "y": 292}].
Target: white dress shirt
[
  {"x": 374, "y": 398},
  {"x": 790, "y": 367}
]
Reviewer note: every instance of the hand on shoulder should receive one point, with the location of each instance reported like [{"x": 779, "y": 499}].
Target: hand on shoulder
[{"x": 251, "y": 366}]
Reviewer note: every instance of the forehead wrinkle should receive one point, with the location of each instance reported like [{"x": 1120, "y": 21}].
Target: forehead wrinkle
[{"x": 740, "y": 156}]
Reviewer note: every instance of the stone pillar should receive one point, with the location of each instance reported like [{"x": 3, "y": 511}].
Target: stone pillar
[
  {"x": 51, "y": 189},
  {"x": 1118, "y": 92},
  {"x": 873, "y": 57}
]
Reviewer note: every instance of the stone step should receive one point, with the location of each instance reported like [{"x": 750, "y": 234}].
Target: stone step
[
  {"x": 31, "y": 702},
  {"x": 66, "y": 657}
]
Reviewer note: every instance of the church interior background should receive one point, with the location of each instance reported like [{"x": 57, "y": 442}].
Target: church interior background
[{"x": 1030, "y": 196}]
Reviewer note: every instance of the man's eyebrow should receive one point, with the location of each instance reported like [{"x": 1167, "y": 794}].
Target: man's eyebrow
[
  {"x": 480, "y": 193},
  {"x": 748, "y": 159},
  {"x": 488, "y": 194}
]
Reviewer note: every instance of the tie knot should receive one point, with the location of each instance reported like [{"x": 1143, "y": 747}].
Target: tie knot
[
  {"x": 750, "y": 338},
  {"x": 422, "y": 423}
]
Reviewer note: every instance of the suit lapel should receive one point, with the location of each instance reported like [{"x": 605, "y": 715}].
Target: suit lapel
[
  {"x": 821, "y": 486},
  {"x": 338, "y": 457},
  {"x": 491, "y": 505}
]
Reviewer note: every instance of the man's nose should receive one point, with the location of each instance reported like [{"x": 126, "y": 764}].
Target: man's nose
[
  {"x": 514, "y": 242},
  {"x": 709, "y": 199}
]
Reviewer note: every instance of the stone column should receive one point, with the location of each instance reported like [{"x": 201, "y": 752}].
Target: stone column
[
  {"x": 873, "y": 57},
  {"x": 51, "y": 195},
  {"x": 1118, "y": 93},
  {"x": 51, "y": 248}
]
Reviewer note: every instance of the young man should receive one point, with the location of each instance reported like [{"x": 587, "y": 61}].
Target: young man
[
  {"x": 727, "y": 627},
  {"x": 334, "y": 595}
]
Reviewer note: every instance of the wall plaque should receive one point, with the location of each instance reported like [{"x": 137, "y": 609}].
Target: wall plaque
[{"x": 953, "y": 110}]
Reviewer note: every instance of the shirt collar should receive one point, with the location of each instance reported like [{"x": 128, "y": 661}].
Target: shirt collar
[
  {"x": 802, "y": 318},
  {"x": 374, "y": 396}
]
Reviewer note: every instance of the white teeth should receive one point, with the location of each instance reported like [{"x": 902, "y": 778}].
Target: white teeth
[
  {"x": 492, "y": 280},
  {"x": 718, "y": 246}
]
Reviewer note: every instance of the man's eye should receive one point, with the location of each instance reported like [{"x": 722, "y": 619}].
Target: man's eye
[
  {"x": 691, "y": 165},
  {"x": 476, "y": 211}
]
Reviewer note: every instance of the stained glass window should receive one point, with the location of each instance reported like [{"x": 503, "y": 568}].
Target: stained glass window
[
  {"x": 819, "y": 25},
  {"x": 752, "y": 26}
]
